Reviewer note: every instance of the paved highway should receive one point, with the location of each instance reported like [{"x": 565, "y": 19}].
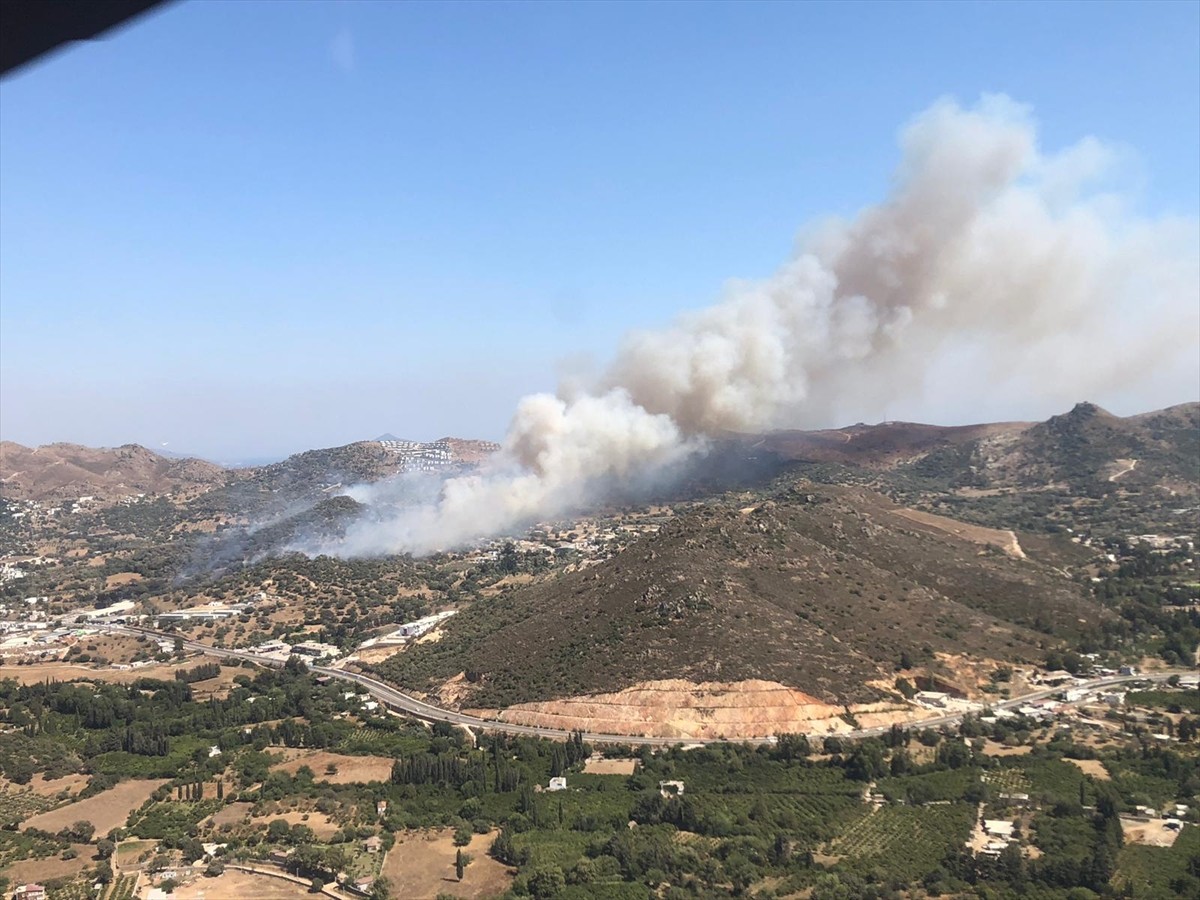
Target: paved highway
[{"x": 401, "y": 702}]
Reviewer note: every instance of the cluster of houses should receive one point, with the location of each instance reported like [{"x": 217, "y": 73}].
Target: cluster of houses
[
  {"x": 1172, "y": 816},
  {"x": 417, "y": 456},
  {"x": 10, "y": 572},
  {"x": 34, "y": 641},
  {"x": 409, "y": 630},
  {"x": 280, "y": 650},
  {"x": 943, "y": 701},
  {"x": 208, "y": 612}
]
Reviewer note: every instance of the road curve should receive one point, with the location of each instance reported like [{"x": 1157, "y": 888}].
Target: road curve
[{"x": 401, "y": 702}]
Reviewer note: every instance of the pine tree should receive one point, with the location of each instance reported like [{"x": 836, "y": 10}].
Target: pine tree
[{"x": 458, "y": 865}]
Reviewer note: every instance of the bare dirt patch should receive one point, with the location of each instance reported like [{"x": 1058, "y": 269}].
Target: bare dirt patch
[
  {"x": 375, "y": 655},
  {"x": 594, "y": 766},
  {"x": 106, "y": 810},
  {"x": 242, "y": 885},
  {"x": 1093, "y": 767},
  {"x": 121, "y": 578},
  {"x": 1152, "y": 833},
  {"x": 350, "y": 769},
  {"x": 421, "y": 865}
]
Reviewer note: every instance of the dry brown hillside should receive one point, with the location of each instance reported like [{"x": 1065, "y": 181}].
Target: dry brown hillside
[
  {"x": 819, "y": 588},
  {"x": 881, "y": 446},
  {"x": 62, "y": 471}
]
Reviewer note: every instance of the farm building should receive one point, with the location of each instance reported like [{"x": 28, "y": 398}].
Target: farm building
[
  {"x": 670, "y": 788},
  {"x": 998, "y": 828}
]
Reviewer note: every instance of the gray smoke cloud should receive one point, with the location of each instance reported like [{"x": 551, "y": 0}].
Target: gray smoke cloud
[{"x": 988, "y": 253}]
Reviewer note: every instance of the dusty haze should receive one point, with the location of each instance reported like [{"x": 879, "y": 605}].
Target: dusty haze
[{"x": 990, "y": 262}]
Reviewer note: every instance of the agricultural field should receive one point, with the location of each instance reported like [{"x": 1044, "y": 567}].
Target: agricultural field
[
  {"x": 121, "y": 889},
  {"x": 950, "y": 784},
  {"x": 1007, "y": 779},
  {"x": 106, "y": 811},
  {"x": 906, "y": 841},
  {"x": 1048, "y": 780},
  {"x": 372, "y": 740}
]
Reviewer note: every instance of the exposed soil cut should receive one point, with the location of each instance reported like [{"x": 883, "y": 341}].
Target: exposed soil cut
[{"x": 676, "y": 708}]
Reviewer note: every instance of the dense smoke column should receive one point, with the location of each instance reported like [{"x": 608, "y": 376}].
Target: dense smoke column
[{"x": 986, "y": 249}]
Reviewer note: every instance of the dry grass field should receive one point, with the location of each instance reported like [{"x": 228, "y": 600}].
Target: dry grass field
[
  {"x": 106, "y": 811},
  {"x": 323, "y": 827},
  {"x": 44, "y": 869},
  {"x": 242, "y": 886},
  {"x": 420, "y": 866},
  {"x": 121, "y": 578},
  {"x": 72, "y": 784},
  {"x": 39, "y": 672},
  {"x": 130, "y": 853},
  {"x": 991, "y": 748},
  {"x": 1092, "y": 767},
  {"x": 596, "y": 766},
  {"x": 349, "y": 768},
  {"x": 230, "y": 814}
]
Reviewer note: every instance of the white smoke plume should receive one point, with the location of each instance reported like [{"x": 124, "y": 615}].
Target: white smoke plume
[{"x": 988, "y": 250}]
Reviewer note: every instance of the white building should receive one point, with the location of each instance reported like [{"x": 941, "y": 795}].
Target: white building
[
  {"x": 998, "y": 828},
  {"x": 670, "y": 788}
]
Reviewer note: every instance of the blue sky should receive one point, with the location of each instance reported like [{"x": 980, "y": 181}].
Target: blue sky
[{"x": 246, "y": 229}]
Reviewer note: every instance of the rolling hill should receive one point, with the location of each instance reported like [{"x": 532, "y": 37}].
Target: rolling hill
[
  {"x": 68, "y": 471},
  {"x": 819, "y": 588}
]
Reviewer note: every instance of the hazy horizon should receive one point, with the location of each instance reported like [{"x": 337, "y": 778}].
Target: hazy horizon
[{"x": 243, "y": 459}]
